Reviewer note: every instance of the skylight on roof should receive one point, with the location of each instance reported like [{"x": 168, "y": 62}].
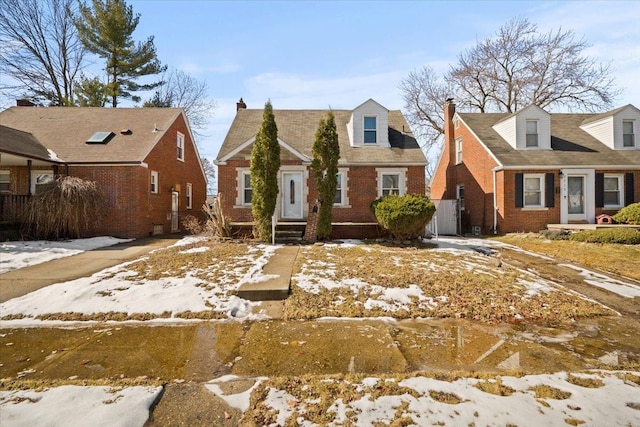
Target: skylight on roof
[{"x": 100, "y": 137}]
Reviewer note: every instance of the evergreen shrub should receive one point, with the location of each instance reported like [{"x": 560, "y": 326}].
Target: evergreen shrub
[
  {"x": 629, "y": 214},
  {"x": 626, "y": 236},
  {"x": 404, "y": 217}
]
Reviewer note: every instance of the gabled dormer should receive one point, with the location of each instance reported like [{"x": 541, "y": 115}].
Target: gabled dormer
[
  {"x": 617, "y": 129},
  {"x": 528, "y": 129},
  {"x": 369, "y": 125}
]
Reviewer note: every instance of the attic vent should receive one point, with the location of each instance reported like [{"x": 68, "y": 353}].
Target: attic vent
[{"x": 100, "y": 138}]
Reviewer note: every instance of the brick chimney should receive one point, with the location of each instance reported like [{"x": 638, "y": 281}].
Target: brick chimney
[
  {"x": 24, "y": 103},
  {"x": 450, "y": 148},
  {"x": 240, "y": 105}
]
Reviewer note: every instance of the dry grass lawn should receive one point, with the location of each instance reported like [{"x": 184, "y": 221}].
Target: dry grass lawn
[
  {"x": 619, "y": 259},
  {"x": 377, "y": 280}
]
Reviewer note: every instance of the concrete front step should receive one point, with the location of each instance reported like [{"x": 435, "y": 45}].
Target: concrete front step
[
  {"x": 279, "y": 267},
  {"x": 288, "y": 236}
]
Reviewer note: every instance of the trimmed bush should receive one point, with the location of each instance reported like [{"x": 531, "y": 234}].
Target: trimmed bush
[
  {"x": 629, "y": 214},
  {"x": 626, "y": 236},
  {"x": 404, "y": 217}
]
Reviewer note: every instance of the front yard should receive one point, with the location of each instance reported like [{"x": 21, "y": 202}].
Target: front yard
[{"x": 198, "y": 279}]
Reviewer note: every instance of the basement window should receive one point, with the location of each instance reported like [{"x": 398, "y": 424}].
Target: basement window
[{"x": 100, "y": 138}]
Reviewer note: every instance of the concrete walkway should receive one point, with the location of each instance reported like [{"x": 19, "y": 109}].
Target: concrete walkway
[
  {"x": 20, "y": 282},
  {"x": 279, "y": 267}
]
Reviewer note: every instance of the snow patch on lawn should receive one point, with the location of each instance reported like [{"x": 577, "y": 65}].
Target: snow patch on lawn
[
  {"x": 72, "y": 406},
  {"x": 605, "y": 282},
  {"x": 606, "y": 405},
  {"x": 15, "y": 255}
]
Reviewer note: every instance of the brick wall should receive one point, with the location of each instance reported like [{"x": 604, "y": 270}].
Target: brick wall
[
  {"x": 134, "y": 210},
  {"x": 362, "y": 189}
]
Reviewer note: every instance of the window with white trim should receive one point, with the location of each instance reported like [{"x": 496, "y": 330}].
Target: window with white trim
[
  {"x": 247, "y": 191},
  {"x": 180, "y": 144},
  {"x": 339, "y": 199},
  {"x": 460, "y": 196},
  {"x": 533, "y": 191},
  {"x": 628, "y": 134},
  {"x": 532, "y": 133},
  {"x": 5, "y": 180},
  {"x": 154, "y": 182},
  {"x": 189, "y": 195},
  {"x": 458, "y": 151},
  {"x": 613, "y": 187},
  {"x": 40, "y": 178},
  {"x": 370, "y": 129},
  {"x": 391, "y": 184}
]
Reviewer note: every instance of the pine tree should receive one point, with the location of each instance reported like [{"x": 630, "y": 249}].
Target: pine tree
[
  {"x": 326, "y": 153},
  {"x": 106, "y": 30},
  {"x": 265, "y": 163}
]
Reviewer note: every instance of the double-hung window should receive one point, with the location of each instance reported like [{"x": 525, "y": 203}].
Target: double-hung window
[
  {"x": 5, "y": 180},
  {"x": 154, "y": 182},
  {"x": 338, "y": 199},
  {"x": 180, "y": 146},
  {"x": 189, "y": 195},
  {"x": 532, "y": 133},
  {"x": 613, "y": 191},
  {"x": 458, "y": 151},
  {"x": 370, "y": 129},
  {"x": 533, "y": 191},
  {"x": 628, "y": 134},
  {"x": 390, "y": 184},
  {"x": 247, "y": 191}
]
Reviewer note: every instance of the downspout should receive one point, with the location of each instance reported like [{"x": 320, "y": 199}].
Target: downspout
[{"x": 495, "y": 201}]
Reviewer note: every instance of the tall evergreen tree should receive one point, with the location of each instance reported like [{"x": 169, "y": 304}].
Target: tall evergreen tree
[
  {"x": 106, "y": 30},
  {"x": 265, "y": 163},
  {"x": 326, "y": 153}
]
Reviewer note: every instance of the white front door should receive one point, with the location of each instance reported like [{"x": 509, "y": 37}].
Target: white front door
[
  {"x": 174, "y": 210},
  {"x": 291, "y": 193},
  {"x": 576, "y": 198}
]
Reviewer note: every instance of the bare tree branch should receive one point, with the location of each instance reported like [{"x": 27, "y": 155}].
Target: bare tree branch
[{"x": 41, "y": 53}]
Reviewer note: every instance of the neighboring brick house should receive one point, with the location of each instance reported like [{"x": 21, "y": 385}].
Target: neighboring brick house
[
  {"x": 143, "y": 158},
  {"x": 378, "y": 155},
  {"x": 522, "y": 171}
]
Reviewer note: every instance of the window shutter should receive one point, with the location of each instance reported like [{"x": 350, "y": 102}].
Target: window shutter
[
  {"x": 628, "y": 189},
  {"x": 519, "y": 190},
  {"x": 599, "y": 190},
  {"x": 549, "y": 190}
]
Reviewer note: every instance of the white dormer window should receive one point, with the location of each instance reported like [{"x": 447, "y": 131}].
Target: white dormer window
[
  {"x": 628, "y": 134},
  {"x": 370, "y": 129},
  {"x": 532, "y": 133}
]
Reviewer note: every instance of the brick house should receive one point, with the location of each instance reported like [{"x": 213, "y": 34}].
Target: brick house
[
  {"x": 144, "y": 159},
  {"x": 378, "y": 155},
  {"x": 522, "y": 171}
]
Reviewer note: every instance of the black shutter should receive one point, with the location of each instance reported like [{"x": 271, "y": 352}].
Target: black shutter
[
  {"x": 519, "y": 190},
  {"x": 599, "y": 190},
  {"x": 628, "y": 189},
  {"x": 549, "y": 190}
]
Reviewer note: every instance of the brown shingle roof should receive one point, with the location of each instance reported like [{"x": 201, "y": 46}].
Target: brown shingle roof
[
  {"x": 24, "y": 144},
  {"x": 65, "y": 130},
  {"x": 570, "y": 144},
  {"x": 297, "y": 128}
]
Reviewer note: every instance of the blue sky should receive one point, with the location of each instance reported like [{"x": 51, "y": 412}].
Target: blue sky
[{"x": 308, "y": 54}]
